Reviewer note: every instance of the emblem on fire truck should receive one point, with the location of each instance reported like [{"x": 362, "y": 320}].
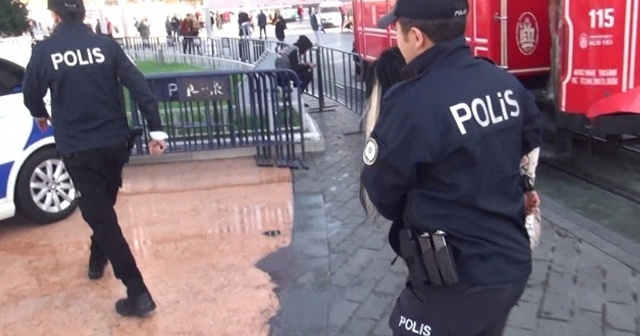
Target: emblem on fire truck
[
  {"x": 527, "y": 32},
  {"x": 584, "y": 41}
]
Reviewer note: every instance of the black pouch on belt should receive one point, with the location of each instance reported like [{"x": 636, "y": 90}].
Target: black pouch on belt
[
  {"x": 444, "y": 258},
  {"x": 429, "y": 259},
  {"x": 410, "y": 249}
]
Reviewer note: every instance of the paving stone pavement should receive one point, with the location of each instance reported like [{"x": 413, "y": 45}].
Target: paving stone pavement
[{"x": 581, "y": 285}]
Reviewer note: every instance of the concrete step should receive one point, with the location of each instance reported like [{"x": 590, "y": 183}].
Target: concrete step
[{"x": 199, "y": 175}]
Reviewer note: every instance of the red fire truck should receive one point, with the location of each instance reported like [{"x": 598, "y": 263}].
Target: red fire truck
[{"x": 579, "y": 56}]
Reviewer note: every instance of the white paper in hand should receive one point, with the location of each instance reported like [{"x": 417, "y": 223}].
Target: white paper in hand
[{"x": 533, "y": 223}]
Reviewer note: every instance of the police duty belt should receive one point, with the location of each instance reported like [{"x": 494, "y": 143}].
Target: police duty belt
[{"x": 428, "y": 257}]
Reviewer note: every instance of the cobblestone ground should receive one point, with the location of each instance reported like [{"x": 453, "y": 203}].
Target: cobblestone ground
[{"x": 581, "y": 285}]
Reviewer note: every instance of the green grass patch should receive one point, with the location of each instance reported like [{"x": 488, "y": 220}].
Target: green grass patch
[
  {"x": 149, "y": 67},
  {"x": 183, "y": 120}
]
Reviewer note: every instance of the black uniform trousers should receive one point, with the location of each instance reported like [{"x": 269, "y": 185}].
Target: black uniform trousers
[
  {"x": 97, "y": 175},
  {"x": 458, "y": 310}
]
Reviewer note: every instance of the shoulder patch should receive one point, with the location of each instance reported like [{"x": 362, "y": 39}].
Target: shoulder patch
[{"x": 370, "y": 153}]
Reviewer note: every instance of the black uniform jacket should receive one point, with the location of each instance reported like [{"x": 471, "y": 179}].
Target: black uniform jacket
[
  {"x": 445, "y": 155},
  {"x": 84, "y": 70}
]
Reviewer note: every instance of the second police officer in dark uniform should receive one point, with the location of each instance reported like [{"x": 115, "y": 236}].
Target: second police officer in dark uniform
[
  {"x": 442, "y": 163},
  {"x": 83, "y": 71}
]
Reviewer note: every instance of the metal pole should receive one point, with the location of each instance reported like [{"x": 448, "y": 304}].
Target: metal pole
[
  {"x": 320, "y": 84},
  {"x": 207, "y": 21},
  {"x": 103, "y": 21},
  {"x": 125, "y": 23}
]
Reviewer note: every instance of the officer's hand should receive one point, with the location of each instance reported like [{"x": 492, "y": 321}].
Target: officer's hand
[
  {"x": 311, "y": 65},
  {"x": 157, "y": 147},
  {"x": 531, "y": 201},
  {"x": 43, "y": 123}
]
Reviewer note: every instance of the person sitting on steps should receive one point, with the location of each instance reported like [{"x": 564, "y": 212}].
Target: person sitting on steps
[{"x": 290, "y": 58}]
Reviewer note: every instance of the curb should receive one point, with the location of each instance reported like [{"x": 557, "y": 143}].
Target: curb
[{"x": 214, "y": 154}]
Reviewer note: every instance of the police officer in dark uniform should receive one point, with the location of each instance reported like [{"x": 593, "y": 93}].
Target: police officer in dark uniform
[
  {"x": 83, "y": 72},
  {"x": 442, "y": 163}
]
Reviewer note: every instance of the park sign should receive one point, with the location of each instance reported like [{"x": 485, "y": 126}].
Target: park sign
[{"x": 193, "y": 88}]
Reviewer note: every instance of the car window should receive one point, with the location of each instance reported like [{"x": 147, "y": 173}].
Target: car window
[
  {"x": 11, "y": 76},
  {"x": 330, "y": 10}
]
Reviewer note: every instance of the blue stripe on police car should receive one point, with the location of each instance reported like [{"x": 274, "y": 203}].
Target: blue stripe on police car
[
  {"x": 5, "y": 169},
  {"x": 37, "y": 135}
]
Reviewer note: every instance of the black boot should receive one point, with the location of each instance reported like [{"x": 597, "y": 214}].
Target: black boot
[
  {"x": 139, "y": 306},
  {"x": 97, "y": 262},
  {"x": 96, "y": 268},
  {"x": 138, "y": 302}
]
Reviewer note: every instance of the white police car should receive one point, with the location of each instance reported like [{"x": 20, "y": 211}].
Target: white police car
[{"x": 33, "y": 180}]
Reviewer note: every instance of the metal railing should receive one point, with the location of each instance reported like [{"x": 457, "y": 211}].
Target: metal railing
[
  {"x": 337, "y": 77},
  {"x": 229, "y": 109},
  {"x": 237, "y": 49},
  {"x": 338, "y": 74},
  {"x": 243, "y": 49},
  {"x": 198, "y": 61}
]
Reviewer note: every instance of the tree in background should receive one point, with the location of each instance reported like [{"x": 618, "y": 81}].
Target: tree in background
[{"x": 13, "y": 18}]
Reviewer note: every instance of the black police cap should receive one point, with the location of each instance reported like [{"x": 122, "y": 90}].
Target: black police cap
[
  {"x": 66, "y": 5},
  {"x": 425, "y": 10}
]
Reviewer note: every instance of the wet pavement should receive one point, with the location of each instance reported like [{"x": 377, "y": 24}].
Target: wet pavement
[
  {"x": 339, "y": 280},
  {"x": 196, "y": 230},
  {"x": 615, "y": 169}
]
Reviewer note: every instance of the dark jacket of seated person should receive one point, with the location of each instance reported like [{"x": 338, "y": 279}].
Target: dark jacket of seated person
[{"x": 289, "y": 58}]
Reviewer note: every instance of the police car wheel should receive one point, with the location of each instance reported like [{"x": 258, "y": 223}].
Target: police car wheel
[{"x": 44, "y": 190}]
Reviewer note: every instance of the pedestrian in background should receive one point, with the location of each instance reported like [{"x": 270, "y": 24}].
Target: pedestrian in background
[
  {"x": 244, "y": 24},
  {"x": 168, "y": 27},
  {"x": 316, "y": 25},
  {"x": 280, "y": 27},
  {"x": 189, "y": 29},
  {"x": 145, "y": 32},
  {"x": 175, "y": 27},
  {"x": 262, "y": 24},
  {"x": 343, "y": 16}
]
